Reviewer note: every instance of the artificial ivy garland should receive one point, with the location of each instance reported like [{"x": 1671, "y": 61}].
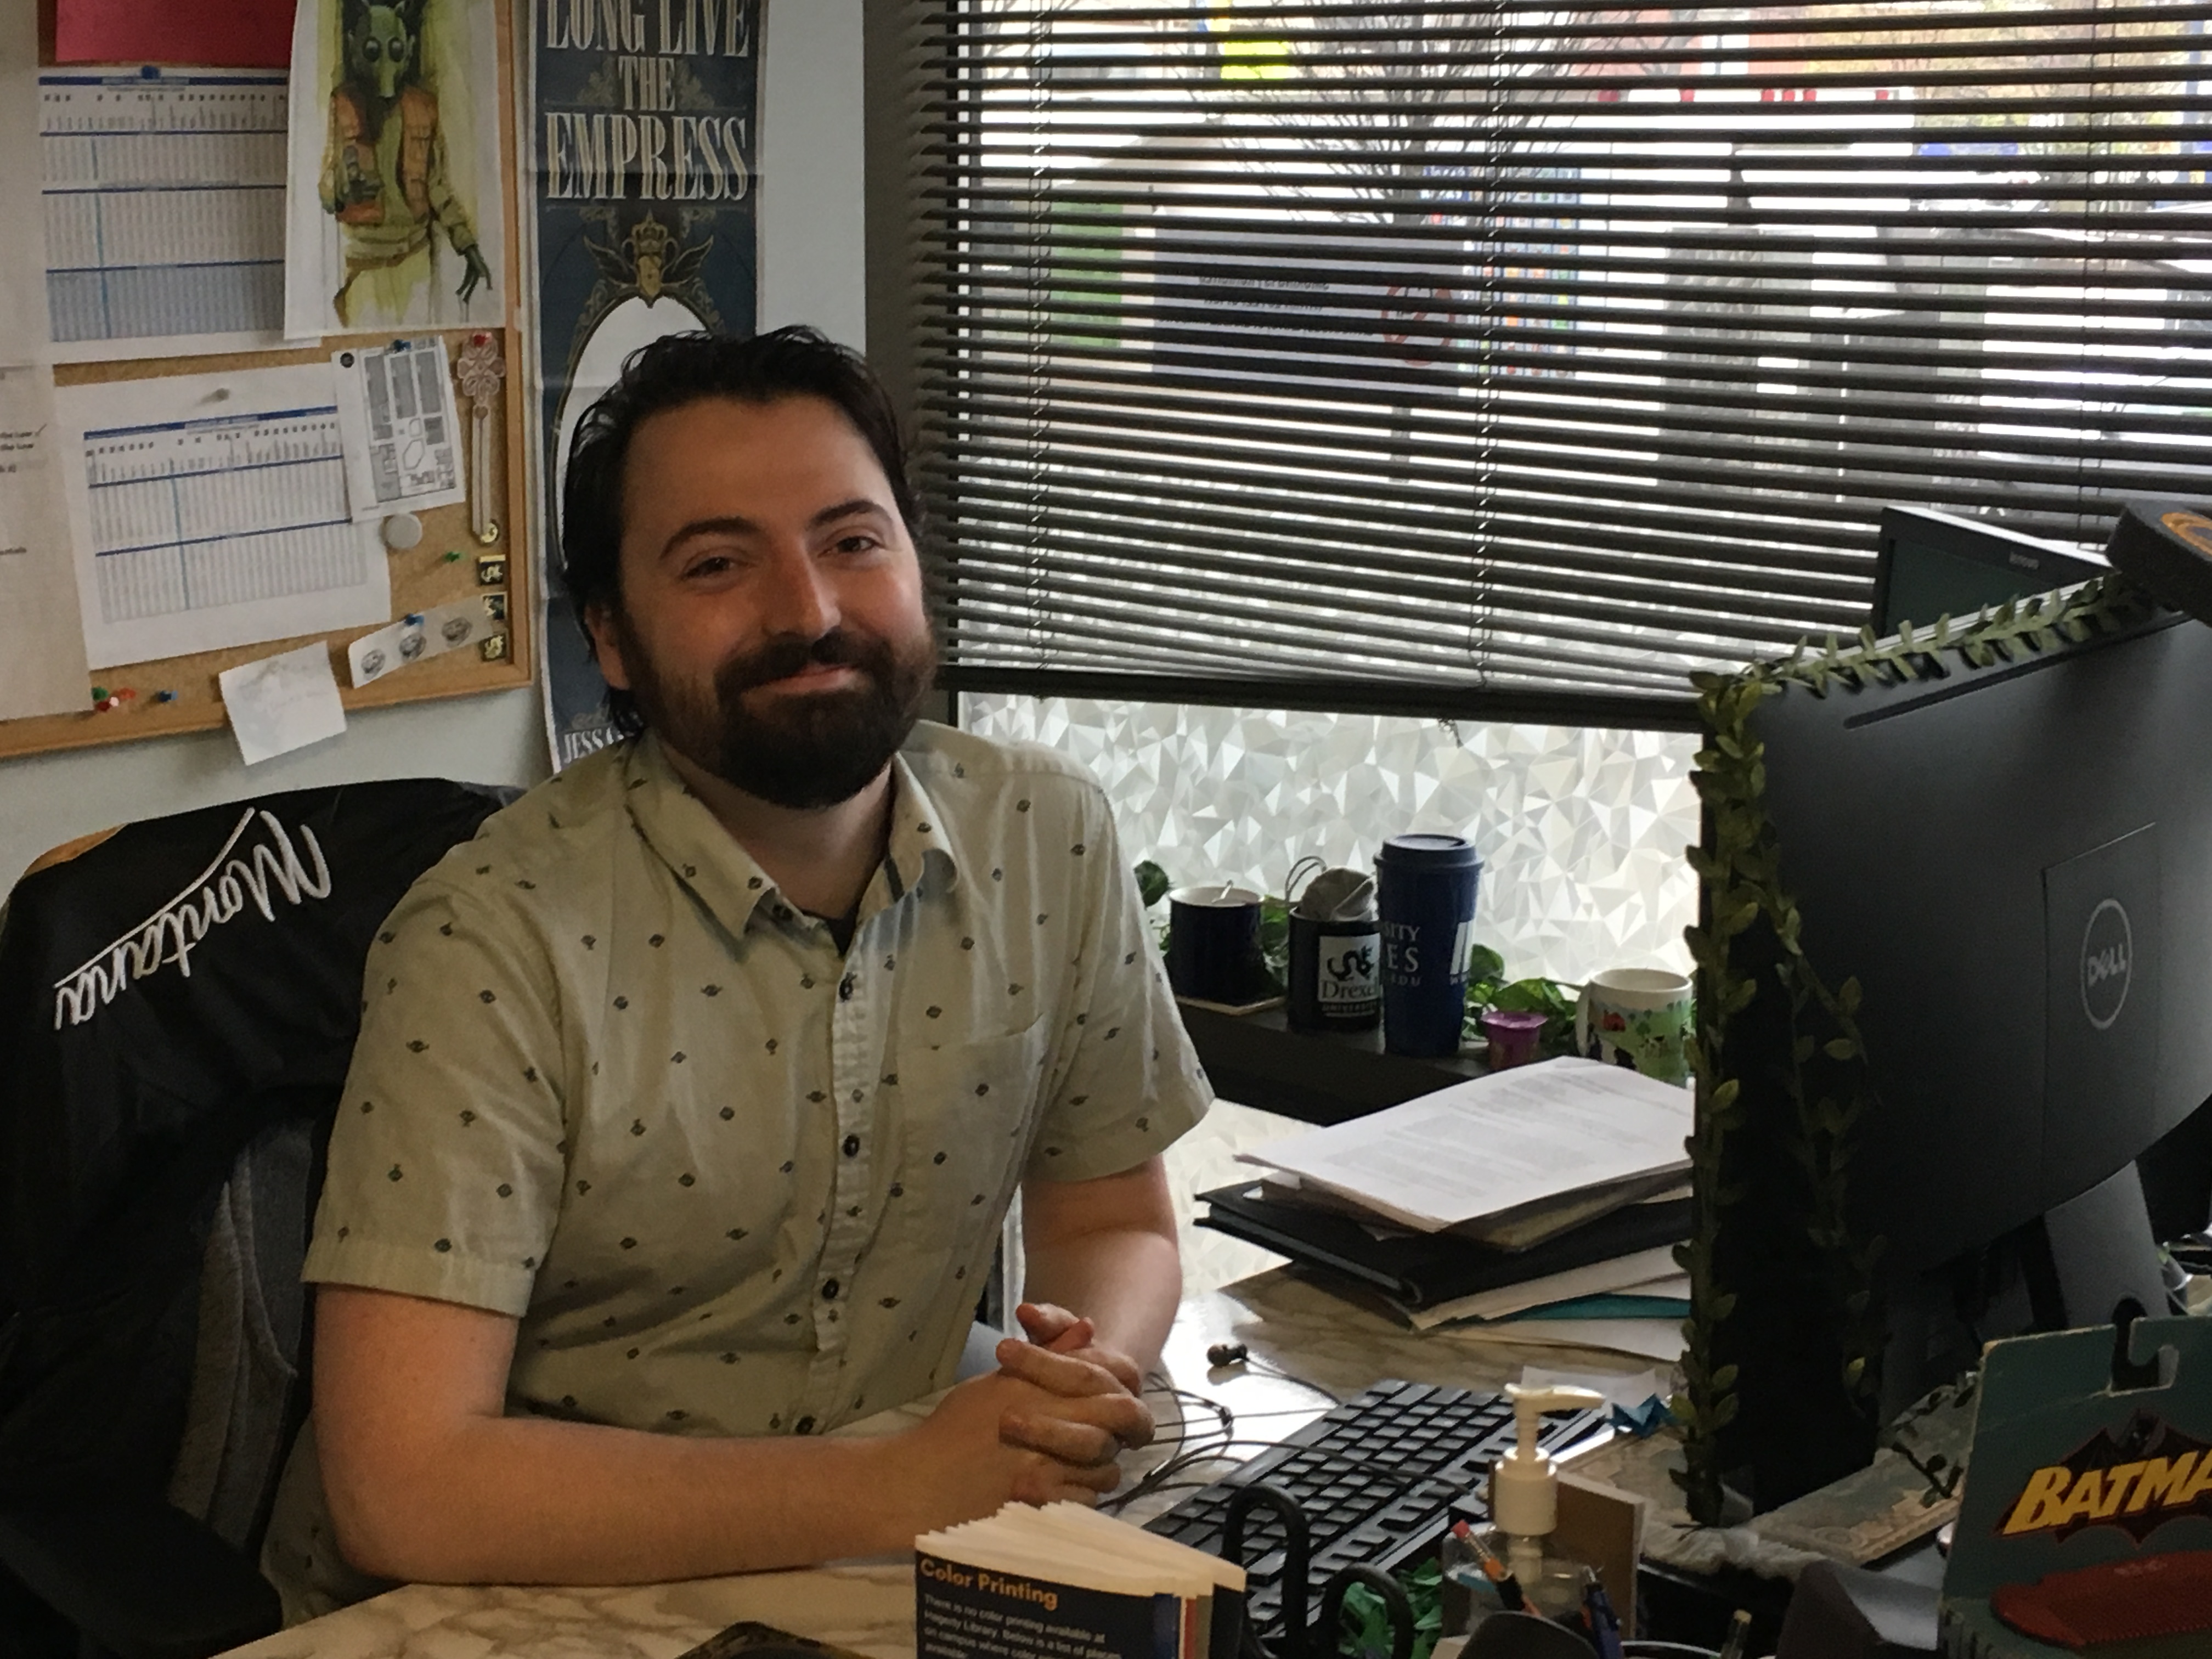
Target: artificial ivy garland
[{"x": 1748, "y": 928}]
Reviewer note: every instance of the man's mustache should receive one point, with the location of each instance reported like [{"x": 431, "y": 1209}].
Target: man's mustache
[{"x": 785, "y": 655}]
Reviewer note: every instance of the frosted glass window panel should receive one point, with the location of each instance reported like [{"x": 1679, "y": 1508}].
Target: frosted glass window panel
[{"x": 1581, "y": 830}]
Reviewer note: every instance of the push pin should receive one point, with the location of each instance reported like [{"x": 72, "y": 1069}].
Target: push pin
[
  {"x": 452, "y": 555},
  {"x": 99, "y": 694},
  {"x": 165, "y": 697}
]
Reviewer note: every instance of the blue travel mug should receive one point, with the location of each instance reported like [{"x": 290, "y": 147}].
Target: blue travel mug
[{"x": 1426, "y": 885}]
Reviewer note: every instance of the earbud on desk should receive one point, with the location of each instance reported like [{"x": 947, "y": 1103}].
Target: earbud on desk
[{"x": 1227, "y": 1353}]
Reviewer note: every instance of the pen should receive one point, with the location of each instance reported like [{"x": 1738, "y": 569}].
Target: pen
[
  {"x": 1508, "y": 1586},
  {"x": 1604, "y": 1623}
]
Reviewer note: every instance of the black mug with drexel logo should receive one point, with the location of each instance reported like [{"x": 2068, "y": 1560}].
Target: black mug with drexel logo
[
  {"x": 1336, "y": 982},
  {"x": 1336, "y": 955}
]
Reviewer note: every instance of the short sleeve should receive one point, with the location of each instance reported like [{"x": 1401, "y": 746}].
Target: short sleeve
[
  {"x": 1132, "y": 1085},
  {"x": 448, "y": 1151}
]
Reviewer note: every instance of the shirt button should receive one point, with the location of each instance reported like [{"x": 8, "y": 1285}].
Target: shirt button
[
  {"x": 851, "y": 1145},
  {"x": 805, "y": 1425},
  {"x": 829, "y": 1290},
  {"x": 845, "y": 988}
]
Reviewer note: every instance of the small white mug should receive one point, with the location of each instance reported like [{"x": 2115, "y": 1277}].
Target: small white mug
[{"x": 1638, "y": 1018}]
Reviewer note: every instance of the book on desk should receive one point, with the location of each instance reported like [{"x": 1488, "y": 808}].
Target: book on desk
[
  {"x": 1519, "y": 1190},
  {"x": 1043, "y": 1584}
]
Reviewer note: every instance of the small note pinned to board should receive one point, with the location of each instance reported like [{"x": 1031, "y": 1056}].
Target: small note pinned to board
[{"x": 281, "y": 703}]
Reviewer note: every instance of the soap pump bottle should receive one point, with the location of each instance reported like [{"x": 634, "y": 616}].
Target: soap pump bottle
[{"x": 1524, "y": 1506}]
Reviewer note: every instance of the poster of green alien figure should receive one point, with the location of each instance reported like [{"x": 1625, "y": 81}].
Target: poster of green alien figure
[{"x": 394, "y": 217}]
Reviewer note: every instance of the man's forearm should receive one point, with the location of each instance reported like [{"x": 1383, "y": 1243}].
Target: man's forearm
[
  {"x": 523, "y": 1500},
  {"x": 1125, "y": 1282}
]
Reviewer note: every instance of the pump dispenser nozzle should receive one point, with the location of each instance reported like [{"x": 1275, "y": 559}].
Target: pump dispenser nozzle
[{"x": 1524, "y": 1484}]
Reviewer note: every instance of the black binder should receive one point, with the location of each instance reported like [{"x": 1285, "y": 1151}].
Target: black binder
[{"x": 1420, "y": 1270}]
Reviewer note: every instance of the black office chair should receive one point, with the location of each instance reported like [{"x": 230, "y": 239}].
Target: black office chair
[{"x": 177, "y": 1005}]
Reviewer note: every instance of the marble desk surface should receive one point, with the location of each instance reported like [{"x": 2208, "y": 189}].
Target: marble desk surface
[{"x": 1293, "y": 1328}]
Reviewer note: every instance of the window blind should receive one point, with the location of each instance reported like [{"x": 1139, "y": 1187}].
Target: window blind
[{"x": 1489, "y": 357}]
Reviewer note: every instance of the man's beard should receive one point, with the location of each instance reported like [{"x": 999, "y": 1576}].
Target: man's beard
[{"x": 811, "y": 749}]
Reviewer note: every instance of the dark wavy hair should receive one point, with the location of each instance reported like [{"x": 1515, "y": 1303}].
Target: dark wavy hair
[{"x": 677, "y": 369}]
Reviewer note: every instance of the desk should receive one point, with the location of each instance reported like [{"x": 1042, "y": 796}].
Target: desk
[
  {"x": 869, "y": 1606},
  {"x": 1317, "y": 1076}
]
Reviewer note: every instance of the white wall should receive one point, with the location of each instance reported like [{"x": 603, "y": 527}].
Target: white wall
[
  {"x": 812, "y": 270},
  {"x": 813, "y": 246}
]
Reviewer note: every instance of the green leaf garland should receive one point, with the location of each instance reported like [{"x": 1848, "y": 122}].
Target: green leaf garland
[{"x": 1824, "y": 1082}]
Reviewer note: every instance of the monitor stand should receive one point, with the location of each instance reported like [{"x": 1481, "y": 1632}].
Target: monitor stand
[
  {"x": 2069, "y": 1269},
  {"x": 2100, "y": 1251}
]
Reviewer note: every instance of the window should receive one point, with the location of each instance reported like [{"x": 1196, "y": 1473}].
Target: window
[
  {"x": 1580, "y": 828},
  {"x": 1512, "y": 361}
]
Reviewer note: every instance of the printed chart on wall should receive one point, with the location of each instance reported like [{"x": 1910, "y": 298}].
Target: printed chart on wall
[
  {"x": 641, "y": 126},
  {"x": 210, "y": 510},
  {"x": 163, "y": 200}
]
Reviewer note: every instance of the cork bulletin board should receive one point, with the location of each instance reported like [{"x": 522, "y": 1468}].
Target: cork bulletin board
[{"x": 423, "y": 576}]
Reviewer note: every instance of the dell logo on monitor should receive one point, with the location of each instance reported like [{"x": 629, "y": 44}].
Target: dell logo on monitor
[{"x": 2108, "y": 955}]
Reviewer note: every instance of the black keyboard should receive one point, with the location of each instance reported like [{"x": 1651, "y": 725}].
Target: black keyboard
[{"x": 1376, "y": 1479}]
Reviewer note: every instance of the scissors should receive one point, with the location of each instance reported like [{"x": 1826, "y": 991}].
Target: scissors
[{"x": 1297, "y": 1639}]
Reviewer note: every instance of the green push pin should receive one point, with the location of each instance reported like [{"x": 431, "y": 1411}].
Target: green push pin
[{"x": 452, "y": 555}]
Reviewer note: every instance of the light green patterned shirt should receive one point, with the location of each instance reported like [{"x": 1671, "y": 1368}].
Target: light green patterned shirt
[{"x": 729, "y": 1182}]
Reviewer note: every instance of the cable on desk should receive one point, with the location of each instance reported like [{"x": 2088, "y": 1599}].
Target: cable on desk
[
  {"x": 1227, "y": 1427},
  {"x": 1310, "y": 1412},
  {"x": 1186, "y": 1456},
  {"x": 1236, "y": 1355},
  {"x": 1153, "y": 1481},
  {"x": 1266, "y": 1368},
  {"x": 1171, "y": 1485}
]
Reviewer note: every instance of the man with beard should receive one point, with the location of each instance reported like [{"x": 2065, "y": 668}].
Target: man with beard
[{"x": 690, "y": 1095}]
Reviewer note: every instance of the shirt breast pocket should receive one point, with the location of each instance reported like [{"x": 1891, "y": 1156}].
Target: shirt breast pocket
[{"x": 961, "y": 1116}]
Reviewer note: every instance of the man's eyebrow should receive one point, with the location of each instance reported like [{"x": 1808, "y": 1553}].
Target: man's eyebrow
[
  {"x": 847, "y": 509},
  {"x": 736, "y": 525},
  {"x": 730, "y": 525}
]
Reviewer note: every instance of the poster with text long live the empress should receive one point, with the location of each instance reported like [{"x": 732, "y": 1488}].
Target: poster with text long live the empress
[{"x": 641, "y": 125}]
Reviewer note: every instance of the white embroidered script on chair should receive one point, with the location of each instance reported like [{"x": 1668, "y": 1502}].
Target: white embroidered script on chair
[{"x": 218, "y": 893}]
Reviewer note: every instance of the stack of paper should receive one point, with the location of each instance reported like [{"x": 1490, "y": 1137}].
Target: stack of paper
[{"x": 1544, "y": 1202}]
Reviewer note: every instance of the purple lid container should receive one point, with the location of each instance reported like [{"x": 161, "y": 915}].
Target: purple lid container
[{"x": 1512, "y": 1036}]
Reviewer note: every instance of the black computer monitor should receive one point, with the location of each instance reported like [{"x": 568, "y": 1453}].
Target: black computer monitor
[
  {"x": 1929, "y": 565},
  {"x": 2016, "y": 863}
]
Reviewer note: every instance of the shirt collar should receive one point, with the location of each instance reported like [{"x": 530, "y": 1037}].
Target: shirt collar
[
  {"x": 724, "y": 877},
  {"x": 920, "y": 843}
]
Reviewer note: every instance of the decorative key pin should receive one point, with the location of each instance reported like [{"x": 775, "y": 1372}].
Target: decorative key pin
[{"x": 480, "y": 370}]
